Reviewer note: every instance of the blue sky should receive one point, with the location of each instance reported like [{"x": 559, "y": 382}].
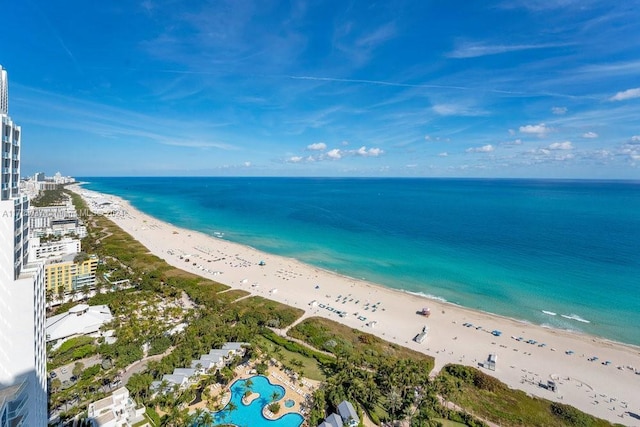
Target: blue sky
[{"x": 513, "y": 88}]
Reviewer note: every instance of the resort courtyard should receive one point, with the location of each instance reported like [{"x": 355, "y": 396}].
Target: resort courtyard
[{"x": 247, "y": 400}]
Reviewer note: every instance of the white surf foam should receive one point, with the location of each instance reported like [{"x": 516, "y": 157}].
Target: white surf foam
[
  {"x": 575, "y": 317},
  {"x": 421, "y": 294}
]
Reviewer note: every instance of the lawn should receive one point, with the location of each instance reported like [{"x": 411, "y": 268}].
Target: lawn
[{"x": 310, "y": 367}]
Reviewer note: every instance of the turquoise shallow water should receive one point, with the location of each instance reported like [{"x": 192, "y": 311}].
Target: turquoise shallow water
[{"x": 510, "y": 247}]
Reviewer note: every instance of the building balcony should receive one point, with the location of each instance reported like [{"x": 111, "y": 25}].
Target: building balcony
[{"x": 6, "y": 155}]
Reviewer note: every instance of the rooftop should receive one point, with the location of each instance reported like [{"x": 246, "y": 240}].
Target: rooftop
[{"x": 81, "y": 319}]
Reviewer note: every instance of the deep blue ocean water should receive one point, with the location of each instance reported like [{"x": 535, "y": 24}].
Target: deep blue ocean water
[{"x": 510, "y": 247}]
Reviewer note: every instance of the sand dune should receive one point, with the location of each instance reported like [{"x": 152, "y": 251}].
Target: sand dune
[{"x": 609, "y": 391}]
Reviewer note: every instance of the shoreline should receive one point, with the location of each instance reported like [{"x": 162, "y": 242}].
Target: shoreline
[{"x": 391, "y": 314}]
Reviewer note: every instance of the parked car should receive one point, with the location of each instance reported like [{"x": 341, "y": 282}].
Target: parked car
[
  {"x": 63, "y": 370},
  {"x": 53, "y": 374}
]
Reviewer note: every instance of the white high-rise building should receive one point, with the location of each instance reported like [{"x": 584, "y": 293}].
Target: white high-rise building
[
  {"x": 4, "y": 92},
  {"x": 23, "y": 382}
]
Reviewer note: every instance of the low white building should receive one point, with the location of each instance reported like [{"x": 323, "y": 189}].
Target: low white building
[
  {"x": 348, "y": 413},
  {"x": 39, "y": 250},
  {"x": 117, "y": 410},
  {"x": 226, "y": 355},
  {"x": 79, "y": 320},
  {"x": 216, "y": 358},
  {"x": 187, "y": 372},
  {"x": 238, "y": 348},
  {"x": 346, "y": 416},
  {"x": 207, "y": 362},
  {"x": 170, "y": 381}
]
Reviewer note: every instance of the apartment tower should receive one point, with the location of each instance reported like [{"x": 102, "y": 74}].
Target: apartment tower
[{"x": 23, "y": 382}]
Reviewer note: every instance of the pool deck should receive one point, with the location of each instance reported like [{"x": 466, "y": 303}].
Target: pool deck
[{"x": 297, "y": 390}]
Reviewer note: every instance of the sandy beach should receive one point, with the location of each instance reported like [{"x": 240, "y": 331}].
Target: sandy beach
[{"x": 607, "y": 387}]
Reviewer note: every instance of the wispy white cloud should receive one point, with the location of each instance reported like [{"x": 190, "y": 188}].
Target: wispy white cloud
[
  {"x": 358, "y": 42},
  {"x": 376, "y": 82},
  {"x": 516, "y": 141},
  {"x": 443, "y": 154},
  {"x": 559, "y": 110},
  {"x": 589, "y": 135},
  {"x": 612, "y": 69},
  {"x": 179, "y": 142},
  {"x": 378, "y": 36},
  {"x": 631, "y": 150},
  {"x": 543, "y": 155},
  {"x": 484, "y": 149},
  {"x": 545, "y": 5},
  {"x": 481, "y": 88},
  {"x": 477, "y": 49},
  {"x": 107, "y": 121},
  {"x": 626, "y": 94},
  {"x": 457, "y": 110}
]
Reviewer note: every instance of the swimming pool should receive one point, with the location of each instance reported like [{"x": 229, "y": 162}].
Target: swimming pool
[{"x": 251, "y": 415}]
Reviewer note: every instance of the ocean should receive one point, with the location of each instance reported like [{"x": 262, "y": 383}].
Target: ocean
[{"x": 564, "y": 254}]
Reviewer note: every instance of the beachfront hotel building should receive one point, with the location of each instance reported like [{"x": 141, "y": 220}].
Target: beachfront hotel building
[
  {"x": 67, "y": 274},
  {"x": 23, "y": 385}
]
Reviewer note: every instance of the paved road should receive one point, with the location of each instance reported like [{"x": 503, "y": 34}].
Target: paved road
[{"x": 138, "y": 367}]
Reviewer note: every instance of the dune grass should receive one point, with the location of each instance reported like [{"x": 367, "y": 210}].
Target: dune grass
[
  {"x": 334, "y": 337},
  {"x": 490, "y": 399}
]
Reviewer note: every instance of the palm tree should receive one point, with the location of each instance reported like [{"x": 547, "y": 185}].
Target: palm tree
[
  {"x": 198, "y": 368},
  {"x": 207, "y": 418},
  {"x": 394, "y": 402},
  {"x": 84, "y": 291},
  {"x": 74, "y": 292},
  {"x": 99, "y": 286},
  {"x": 196, "y": 418},
  {"x": 231, "y": 407},
  {"x": 173, "y": 418},
  {"x": 48, "y": 297},
  {"x": 275, "y": 396}
]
